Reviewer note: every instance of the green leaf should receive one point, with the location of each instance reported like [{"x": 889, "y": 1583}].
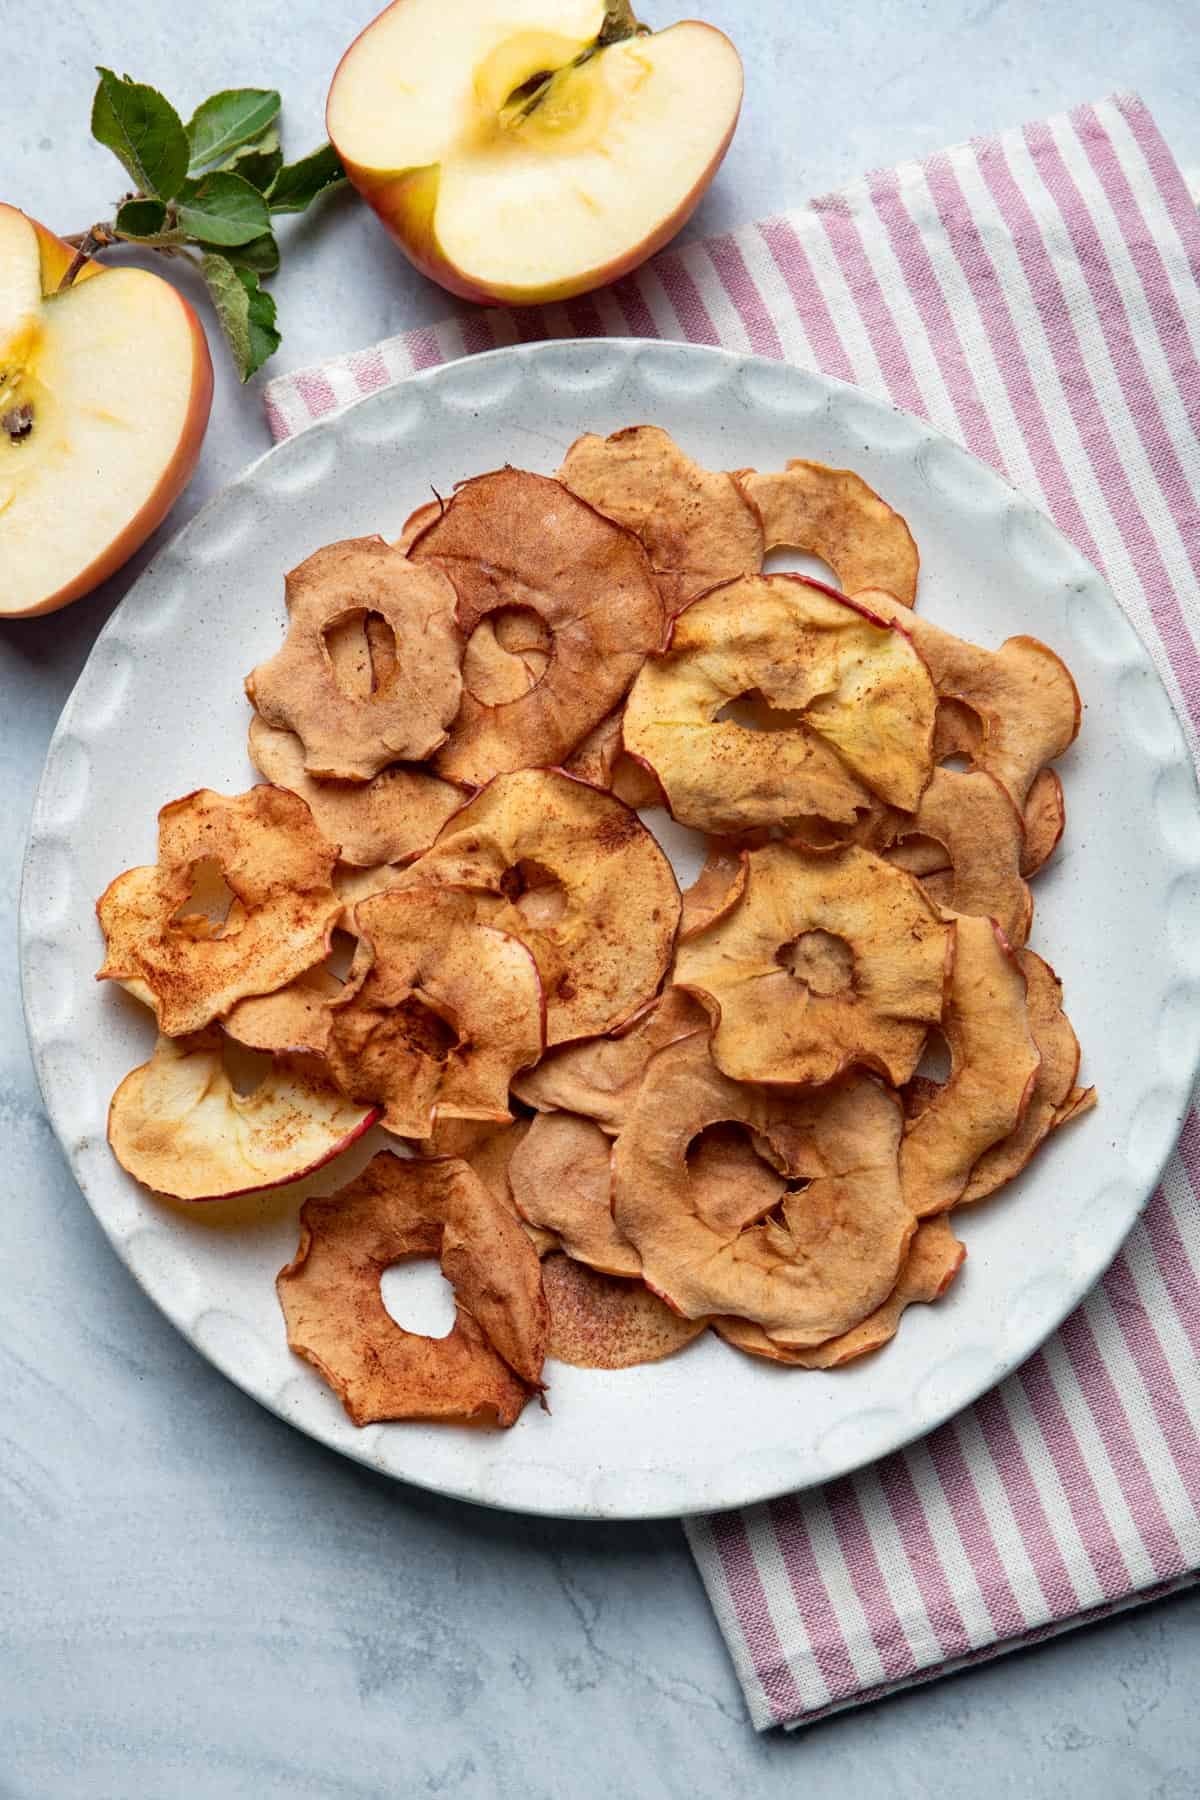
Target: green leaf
[
  {"x": 142, "y": 130},
  {"x": 258, "y": 163},
  {"x": 261, "y": 254},
  {"x": 227, "y": 120},
  {"x": 297, "y": 184},
  {"x": 221, "y": 208},
  {"x": 246, "y": 314},
  {"x": 141, "y": 218}
]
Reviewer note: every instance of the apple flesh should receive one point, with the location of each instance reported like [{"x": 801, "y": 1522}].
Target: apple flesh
[
  {"x": 105, "y": 390},
  {"x": 517, "y": 151}
]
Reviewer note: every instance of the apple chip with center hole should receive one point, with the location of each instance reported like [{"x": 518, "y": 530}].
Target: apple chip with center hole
[
  {"x": 833, "y": 514},
  {"x": 516, "y": 540},
  {"x": 278, "y": 869},
  {"x": 348, "y": 735},
  {"x": 578, "y": 878},
  {"x": 180, "y": 1126},
  {"x": 607, "y": 1322},
  {"x": 600, "y": 1076},
  {"x": 848, "y": 709},
  {"x": 697, "y": 527},
  {"x": 829, "y": 959},
  {"x": 438, "y": 1012},
  {"x": 490, "y": 1363}
]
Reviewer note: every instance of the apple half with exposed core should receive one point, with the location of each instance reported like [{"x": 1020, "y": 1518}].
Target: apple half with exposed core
[
  {"x": 522, "y": 151},
  {"x": 105, "y": 388}
]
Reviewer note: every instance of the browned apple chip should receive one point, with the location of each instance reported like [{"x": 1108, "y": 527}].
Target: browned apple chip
[
  {"x": 603, "y": 1322},
  {"x": 967, "y": 829},
  {"x": 490, "y": 1363},
  {"x": 602, "y": 760},
  {"x": 599, "y": 1077},
  {"x": 438, "y": 1012},
  {"x": 276, "y": 869},
  {"x": 1045, "y": 818},
  {"x": 348, "y": 736},
  {"x": 559, "y": 1178},
  {"x": 716, "y": 890},
  {"x": 180, "y": 1126},
  {"x": 516, "y": 540},
  {"x": 489, "y": 1149},
  {"x": 697, "y": 527},
  {"x": 826, "y": 961},
  {"x": 833, "y": 514},
  {"x": 293, "y": 1020},
  {"x": 389, "y": 819}
]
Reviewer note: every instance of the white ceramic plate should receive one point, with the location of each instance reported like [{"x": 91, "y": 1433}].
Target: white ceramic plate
[{"x": 159, "y": 710}]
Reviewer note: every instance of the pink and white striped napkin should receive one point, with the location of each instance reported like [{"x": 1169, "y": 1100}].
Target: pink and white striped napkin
[{"x": 1036, "y": 296}]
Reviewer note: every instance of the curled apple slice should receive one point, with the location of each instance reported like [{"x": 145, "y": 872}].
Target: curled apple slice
[
  {"x": 601, "y": 760},
  {"x": 490, "y": 1363},
  {"x": 389, "y": 819},
  {"x": 846, "y": 709},
  {"x": 697, "y": 527},
  {"x": 1045, "y": 819},
  {"x": 489, "y": 1149},
  {"x": 970, "y": 819},
  {"x": 834, "y": 1254},
  {"x": 294, "y": 1020},
  {"x": 559, "y": 1178},
  {"x": 716, "y": 890},
  {"x": 416, "y": 685},
  {"x": 437, "y": 1014},
  {"x": 180, "y": 1126},
  {"x": 604, "y": 1322},
  {"x": 278, "y": 870},
  {"x": 512, "y": 540},
  {"x": 829, "y": 959},
  {"x": 599, "y": 1077},
  {"x": 833, "y": 514}
]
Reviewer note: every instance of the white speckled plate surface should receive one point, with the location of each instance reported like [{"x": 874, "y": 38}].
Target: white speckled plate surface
[{"x": 159, "y": 710}]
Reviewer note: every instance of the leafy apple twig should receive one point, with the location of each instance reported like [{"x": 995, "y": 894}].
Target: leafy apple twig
[{"x": 207, "y": 191}]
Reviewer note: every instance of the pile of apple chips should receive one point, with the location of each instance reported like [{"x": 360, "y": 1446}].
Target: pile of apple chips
[{"x": 621, "y": 1115}]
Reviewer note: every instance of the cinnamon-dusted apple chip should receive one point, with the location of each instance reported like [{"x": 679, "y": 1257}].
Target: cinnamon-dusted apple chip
[
  {"x": 833, "y": 514},
  {"x": 489, "y": 1149},
  {"x": 293, "y": 1020},
  {"x": 697, "y": 527},
  {"x": 1045, "y": 818},
  {"x": 389, "y": 819},
  {"x": 438, "y": 1012},
  {"x": 829, "y": 959},
  {"x": 516, "y": 540},
  {"x": 835, "y": 1253},
  {"x": 934, "y": 1259},
  {"x": 993, "y": 1066},
  {"x": 599, "y": 1077},
  {"x": 577, "y": 877},
  {"x": 972, "y": 820},
  {"x": 602, "y": 759},
  {"x": 180, "y": 1126},
  {"x": 490, "y": 1363},
  {"x": 278, "y": 869},
  {"x": 559, "y": 1179},
  {"x": 605, "y": 1322},
  {"x": 348, "y": 736},
  {"x": 848, "y": 709}
]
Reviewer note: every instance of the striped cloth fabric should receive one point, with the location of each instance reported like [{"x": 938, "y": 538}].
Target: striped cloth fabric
[{"x": 1036, "y": 297}]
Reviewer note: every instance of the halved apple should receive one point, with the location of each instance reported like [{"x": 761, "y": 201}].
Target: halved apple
[
  {"x": 105, "y": 389},
  {"x": 526, "y": 150}
]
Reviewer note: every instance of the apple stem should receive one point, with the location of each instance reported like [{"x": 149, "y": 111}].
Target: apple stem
[{"x": 96, "y": 237}]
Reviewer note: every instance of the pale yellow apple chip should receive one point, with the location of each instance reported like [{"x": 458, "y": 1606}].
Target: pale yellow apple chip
[
  {"x": 993, "y": 1067},
  {"x": 293, "y": 1020},
  {"x": 437, "y": 1014},
  {"x": 1045, "y": 819},
  {"x": 180, "y": 1126},
  {"x": 829, "y": 959},
  {"x": 490, "y": 1363},
  {"x": 559, "y": 1179},
  {"x": 834, "y": 1254},
  {"x": 599, "y": 1077},
  {"x": 349, "y": 736},
  {"x": 278, "y": 869},
  {"x": 389, "y": 819},
  {"x": 833, "y": 514},
  {"x": 970, "y": 819},
  {"x": 697, "y": 527},
  {"x": 934, "y": 1259},
  {"x": 601, "y": 759},
  {"x": 577, "y": 877},
  {"x": 849, "y": 709},
  {"x": 516, "y": 540},
  {"x": 604, "y": 1322}
]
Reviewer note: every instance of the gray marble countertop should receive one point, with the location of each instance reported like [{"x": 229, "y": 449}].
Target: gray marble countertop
[{"x": 194, "y": 1600}]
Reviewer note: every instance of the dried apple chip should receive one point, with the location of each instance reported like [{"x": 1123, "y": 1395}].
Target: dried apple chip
[
  {"x": 438, "y": 1012},
  {"x": 849, "y": 709},
  {"x": 559, "y": 1179},
  {"x": 697, "y": 527},
  {"x": 180, "y": 1126},
  {"x": 348, "y": 736},
  {"x": 934, "y": 1259},
  {"x": 489, "y": 1149},
  {"x": 974, "y": 822},
  {"x": 601, "y": 759},
  {"x": 835, "y": 1253},
  {"x": 829, "y": 959},
  {"x": 993, "y": 1067},
  {"x": 278, "y": 869},
  {"x": 293, "y": 1020},
  {"x": 716, "y": 890},
  {"x": 833, "y": 514},
  {"x": 389, "y": 819},
  {"x": 577, "y": 877},
  {"x": 603, "y": 1322},
  {"x": 1045, "y": 819},
  {"x": 512, "y": 539},
  {"x": 490, "y": 1363},
  {"x": 599, "y": 1077}
]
